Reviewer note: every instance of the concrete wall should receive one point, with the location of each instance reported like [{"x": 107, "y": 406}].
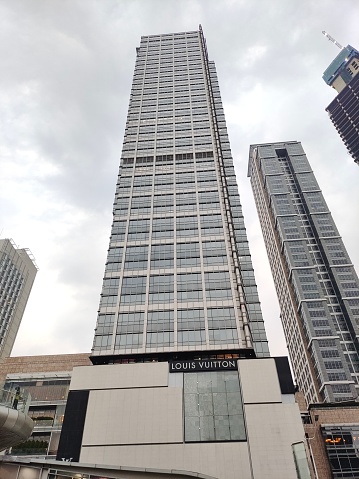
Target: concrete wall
[{"x": 27, "y": 365}]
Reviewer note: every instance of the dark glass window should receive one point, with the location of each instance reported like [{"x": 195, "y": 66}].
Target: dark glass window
[
  {"x": 136, "y": 257},
  {"x": 162, "y": 228},
  {"x": 160, "y": 328},
  {"x": 189, "y": 287},
  {"x": 162, "y": 256},
  {"x": 191, "y": 327},
  {"x": 187, "y": 226},
  {"x": 133, "y": 290},
  {"x": 161, "y": 288},
  {"x": 188, "y": 255}
]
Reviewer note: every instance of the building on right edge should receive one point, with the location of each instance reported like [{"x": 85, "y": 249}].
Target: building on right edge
[
  {"x": 342, "y": 75},
  {"x": 318, "y": 293},
  {"x": 316, "y": 284}
]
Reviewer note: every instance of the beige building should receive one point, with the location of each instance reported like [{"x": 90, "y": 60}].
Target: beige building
[{"x": 148, "y": 415}]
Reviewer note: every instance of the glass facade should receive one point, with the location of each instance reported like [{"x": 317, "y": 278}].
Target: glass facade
[
  {"x": 213, "y": 407},
  {"x": 342, "y": 446},
  {"x": 317, "y": 286},
  {"x": 178, "y": 273}
]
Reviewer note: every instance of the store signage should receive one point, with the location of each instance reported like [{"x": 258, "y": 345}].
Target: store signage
[{"x": 205, "y": 365}]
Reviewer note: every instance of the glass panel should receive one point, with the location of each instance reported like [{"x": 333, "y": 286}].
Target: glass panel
[
  {"x": 301, "y": 463},
  {"x": 234, "y": 403},
  {"x": 220, "y": 404},
  {"x": 190, "y": 383},
  {"x": 207, "y": 428},
  {"x": 192, "y": 429},
  {"x": 222, "y": 428},
  {"x": 237, "y": 430},
  {"x": 205, "y": 404},
  {"x": 213, "y": 403},
  {"x": 191, "y": 404}
]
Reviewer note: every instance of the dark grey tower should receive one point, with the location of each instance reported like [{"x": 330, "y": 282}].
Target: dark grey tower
[
  {"x": 342, "y": 75},
  {"x": 317, "y": 286}
]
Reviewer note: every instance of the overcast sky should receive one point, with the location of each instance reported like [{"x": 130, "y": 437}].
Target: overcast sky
[{"x": 65, "y": 76}]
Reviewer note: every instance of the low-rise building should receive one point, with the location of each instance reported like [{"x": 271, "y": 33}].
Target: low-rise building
[
  {"x": 46, "y": 380},
  {"x": 332, "y": 432}
]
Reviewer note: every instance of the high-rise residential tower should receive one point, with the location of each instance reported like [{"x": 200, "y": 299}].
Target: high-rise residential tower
[
  {"x": 317, "y": 286},
  {"x": 17, "y": 274},
  {"x": 178, "y": 275},
  {"x": 181, "y": 376},
  {"x": 342, "y": 75}
]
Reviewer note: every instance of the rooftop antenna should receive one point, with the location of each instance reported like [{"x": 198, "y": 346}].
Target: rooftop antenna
[{"x": 331, "y": 39}]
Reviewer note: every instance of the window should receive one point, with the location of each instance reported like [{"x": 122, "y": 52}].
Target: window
[
  {"x": 211, "y": 225},
  {"x": 141, "y": 205},
  {"x": 208, "y": 199},
  {"x": 118, "y": 231},
  {"x": 138, "y": 230},
  {"x": 214, "y": 253},
  {"x": 105, "y": 324},
  {"x": 128, "y": 341},
  {"x": 191, "y": 327},
  {"x": 131, "y": 322},
  {"x": 114, "y": 255},
  {"x": 102, "y": 342},
  {"x": 110, "y": 286},
  {"x": 162, "y": 204},
  {"x": 341, "y": 443},
  {"x": 187, "y": 226},
  {"x": 161, "y": 288},
  {"x": 162, "y": 228},
  {"x": 186, "y": 201},
  {"x": 133, "y": 290},
  {"x": 136, "y": 257},
  {"x": 218, "y": 286},
  {"x": 213, "y": 407},
  {"x": 160, "y": 328},
  {"x": 188, "y": 255},
  {"x": 121, "y": 206},
  {"x": 300, "y": 459},
  {"x": 189, "y": 287},
  {"x": 162, "y": 256},
  {"x": 222, "y": 326}
]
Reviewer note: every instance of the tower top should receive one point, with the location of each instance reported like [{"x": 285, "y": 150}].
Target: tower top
[{"x": 343, "y": 68}]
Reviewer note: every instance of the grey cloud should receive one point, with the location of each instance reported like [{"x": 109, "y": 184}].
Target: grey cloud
[{"x": 65, "y": 79}]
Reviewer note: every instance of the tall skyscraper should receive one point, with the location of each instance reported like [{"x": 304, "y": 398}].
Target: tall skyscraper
[
  {"x": 317, "y": 286},
  {"x": 176, "y": 382},
  {"x": 342, "y": 75},
  {"x": 17, "y": 274},
  {"x": 179, "y": 275}
]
